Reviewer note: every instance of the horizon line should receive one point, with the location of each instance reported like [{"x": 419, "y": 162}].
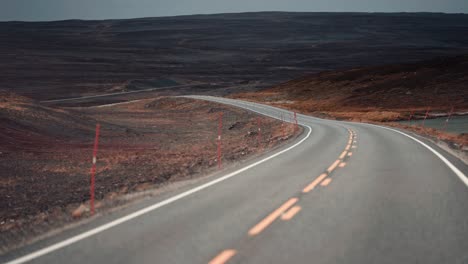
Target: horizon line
[{"x": 232, "y": 13}]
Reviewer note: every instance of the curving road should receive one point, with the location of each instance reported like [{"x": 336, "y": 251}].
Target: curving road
[{"x": 342, "y": 193}]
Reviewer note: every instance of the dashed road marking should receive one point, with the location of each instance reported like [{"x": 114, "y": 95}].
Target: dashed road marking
[
  {"x": 333, "y": 166},
  {"x": 291, "y": 213},
  {"x": 326, "y": 181},
  {"x": 258, "y": 228},
  {"x": 313, "y": 184},
  {"x": 223, "y": 257}
]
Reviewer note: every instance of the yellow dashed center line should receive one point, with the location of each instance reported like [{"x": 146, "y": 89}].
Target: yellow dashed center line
[
  {"x": 333, "y": 166},
  {"x": 291, "y": 213},
  {"x": 223, "y": 257},
  {"x": 257, "y": 229},
  {"x": 343, "y": 155},
  {"x": 312, "y": 185},
  {"x": 288, "y": 210},
  {"x": 326, "y": 182}
]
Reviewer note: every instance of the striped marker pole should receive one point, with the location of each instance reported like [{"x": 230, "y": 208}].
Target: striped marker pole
[
  {"x": 295, "y": 121},
  {"x": 93, "y": 169},
  {"x": 220, "y": 128},
  {"x": 448, "y": 118},
  {"x": 282, "y": 125},
  {"x": 259, "y": 135},
  {"x": 410, "y": 117},
  {"x": 425, "y": 117}
]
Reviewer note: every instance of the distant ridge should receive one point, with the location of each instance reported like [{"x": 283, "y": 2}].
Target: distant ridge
[{"x": 72, "y": 58}]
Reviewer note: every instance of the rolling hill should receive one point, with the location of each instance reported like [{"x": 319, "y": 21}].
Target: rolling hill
[
  {"x": 378, "y": 93},
  {"x": 50, "y": 60}
]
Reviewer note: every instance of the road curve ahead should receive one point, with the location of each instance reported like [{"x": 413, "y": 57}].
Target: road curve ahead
[{"x": 342, "y": 193}]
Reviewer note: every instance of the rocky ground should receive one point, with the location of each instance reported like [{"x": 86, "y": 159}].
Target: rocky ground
[{"x": 45, "y": 154}]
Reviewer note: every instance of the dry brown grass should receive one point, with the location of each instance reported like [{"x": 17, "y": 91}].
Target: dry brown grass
[{"x": 383, "y": 93}]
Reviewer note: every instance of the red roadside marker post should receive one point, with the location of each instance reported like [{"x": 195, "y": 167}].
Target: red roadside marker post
[
  {"x": 295, "y": 121},
  {"x": 410, "y": 117},
  {"x": 259, "y": 135},
  {"x": 282, "y": 125},
  {"x": 448, "y": 118},
  {"x": 220, "y": 128},
  {"x": 93, "y": 169},
  {"x": 425, "y": 117}
]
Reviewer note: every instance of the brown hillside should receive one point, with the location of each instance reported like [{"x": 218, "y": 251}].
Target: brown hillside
[
  {"x": 46, "y": 154},
  {"x": 25, "y": 124},
  {"x": 395, "y": 89}
]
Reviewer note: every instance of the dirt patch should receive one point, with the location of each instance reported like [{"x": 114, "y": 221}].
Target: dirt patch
[{"x": 45, "y": 154}]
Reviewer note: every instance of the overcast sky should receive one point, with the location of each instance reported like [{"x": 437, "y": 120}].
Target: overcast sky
[{"x": 40, "y": 10}]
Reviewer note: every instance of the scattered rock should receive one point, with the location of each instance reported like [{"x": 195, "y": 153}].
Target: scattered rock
[
  {"x": 216, "y": 110},
  {"x": 78, "y": 212},
  {"x": 233, "y": 126},
  {"x": 42, "y": 216},
  {"x": 252, "y": 133},
  {"x": 98, "y": 204},
  {"x": 124, "y": 189},
  {"x": 111, "y": 195},
  {"x": 143, "y": 186}
]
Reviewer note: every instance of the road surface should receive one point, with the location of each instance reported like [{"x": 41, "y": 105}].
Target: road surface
[{"x": 341, "y": 193}]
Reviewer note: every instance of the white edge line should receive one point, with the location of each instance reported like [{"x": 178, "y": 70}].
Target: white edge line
[
  {"x": 460, "y": 174},
  {"x": 118, "y": 93},
  {"x": 233, "y": 102},
  {"x": 455, "y": 170},
  {"x": 121, "y": 103},
  {"x": 138, "y": 213}
]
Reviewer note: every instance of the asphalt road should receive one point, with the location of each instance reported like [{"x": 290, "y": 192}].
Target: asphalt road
[{"x": 341, "y": 193}]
